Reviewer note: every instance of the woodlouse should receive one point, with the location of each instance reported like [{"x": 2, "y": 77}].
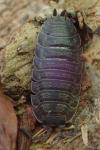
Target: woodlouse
[{"x": 57, "y": 71}]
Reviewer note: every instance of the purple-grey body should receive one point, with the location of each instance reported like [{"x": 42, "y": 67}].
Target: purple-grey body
[{"x": 57, "y": 72}]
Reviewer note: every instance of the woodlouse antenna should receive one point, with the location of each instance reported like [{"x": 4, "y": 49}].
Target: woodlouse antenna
[
  {"x": 54, "y": 12},
  {"x": 63, "y": 13}
]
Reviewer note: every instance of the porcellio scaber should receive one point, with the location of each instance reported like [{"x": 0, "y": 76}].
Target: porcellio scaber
[{"x": 57, "y": 71}]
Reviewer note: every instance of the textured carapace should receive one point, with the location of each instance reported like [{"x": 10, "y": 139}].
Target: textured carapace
[{"x": 57, "y": 70}]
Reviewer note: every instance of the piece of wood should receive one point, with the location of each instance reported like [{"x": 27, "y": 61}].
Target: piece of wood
[
  {"x": 26, "y": 125},
  {"x": 8, "y": 123}
]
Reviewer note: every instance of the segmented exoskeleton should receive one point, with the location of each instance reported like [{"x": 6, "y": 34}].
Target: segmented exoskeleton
[{"x": 57, "y": 71}]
